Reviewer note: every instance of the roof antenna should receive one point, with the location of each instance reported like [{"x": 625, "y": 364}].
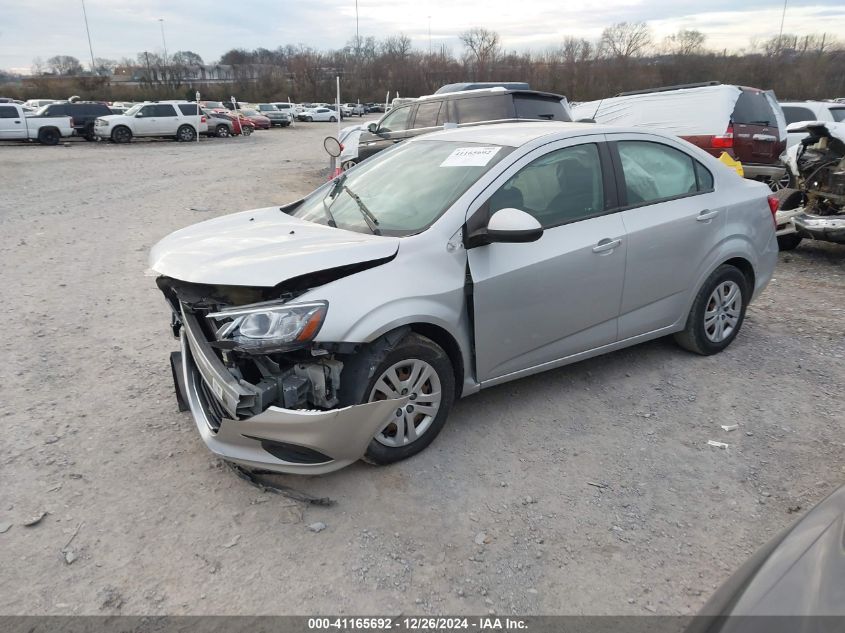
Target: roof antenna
[{"x": 596, "y": 113}]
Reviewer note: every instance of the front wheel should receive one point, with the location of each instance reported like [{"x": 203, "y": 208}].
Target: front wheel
[
  {"x": 246, "y": 130},
  {"x": 717, "y": 313},
  {"x": 332, "y": 119},
  {"x": 222, "y": 131},
  {"x": 309, "y": 119},
  {"x": 121, "y": 134},
  {"x": 415, "y": 367},
  {"x": 186, "y": 134}
]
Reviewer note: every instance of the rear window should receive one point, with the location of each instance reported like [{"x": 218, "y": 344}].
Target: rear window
[
  {"x": 838, "y": 114},
  {"x": 794, "y": 114},
  {"x": 486, "y": 108},
  {"x": 531, "y": 107},
  {"x": 752, "y": 108},
  {"x": 187, "y": 109}
]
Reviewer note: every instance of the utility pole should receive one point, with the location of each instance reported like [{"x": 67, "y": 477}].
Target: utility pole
[
  {"x": 163, "y": 41},
  {"x": 782, "y": 19},
  {"x": 88, "y": 32},
  {"x": 357, "y": 33}
]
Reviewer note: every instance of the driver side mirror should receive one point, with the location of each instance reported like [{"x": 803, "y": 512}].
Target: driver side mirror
[
  {"x": 139, "y": 115},
  {"x": 507, "y": 226},
  {"x": 373, "y": 128}
]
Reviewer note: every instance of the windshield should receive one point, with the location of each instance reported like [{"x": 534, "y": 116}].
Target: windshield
[
  {"x": 402, "y": 190},
  {"x": 131, "y": 111}
]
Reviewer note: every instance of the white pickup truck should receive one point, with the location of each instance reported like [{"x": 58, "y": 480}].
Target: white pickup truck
[{"x": 14, "y": 125}]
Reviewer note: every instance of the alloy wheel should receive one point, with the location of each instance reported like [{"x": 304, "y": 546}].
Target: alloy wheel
[
  {"x": 419, "y": 381},
  {"x": 723, "y": 311}
]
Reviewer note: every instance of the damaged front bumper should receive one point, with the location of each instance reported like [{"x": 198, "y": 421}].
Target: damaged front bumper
[
  {"x": 827, "y": 228},
  {"x": 283, "y": 440}
]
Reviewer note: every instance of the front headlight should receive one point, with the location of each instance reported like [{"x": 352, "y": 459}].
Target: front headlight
[
  {"x": 270, "y": 326},
  {"x": 101, "y": 123}
]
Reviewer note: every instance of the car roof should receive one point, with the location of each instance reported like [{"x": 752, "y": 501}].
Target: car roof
[{"x": 519, "y": 133}]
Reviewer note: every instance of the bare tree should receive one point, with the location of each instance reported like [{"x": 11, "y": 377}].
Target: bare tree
[
  {"x": 482, "y": 48},
  {"x": 64, "y": 65},
  {"x": 625, "y": 40},
  {"x": 186, "y": 58},
  {"x": 37, "y": 67},
  {"x": 685, "y": 42}
]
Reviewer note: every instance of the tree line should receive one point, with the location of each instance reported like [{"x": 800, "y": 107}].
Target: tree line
[{"x": 626, "y": 56}]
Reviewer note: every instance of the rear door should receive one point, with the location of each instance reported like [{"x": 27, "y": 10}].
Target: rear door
[
  {"x": 166, "y": 119},
  {"x": 756, "y": 133},
  {"x": 673, "y": 219},
  {"x": 12, "y": 125}
]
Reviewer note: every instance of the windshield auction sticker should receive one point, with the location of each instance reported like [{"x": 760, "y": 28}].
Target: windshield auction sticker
[{"x": 470, "y": 157}]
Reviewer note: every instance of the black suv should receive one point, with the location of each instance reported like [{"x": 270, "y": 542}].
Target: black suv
[
  {"x": 431, "y": 113},
  {"x": 83, "y": 113}
]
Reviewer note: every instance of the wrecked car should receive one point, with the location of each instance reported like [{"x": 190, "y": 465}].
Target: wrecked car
[
  {"x": 345, "y": 325},
  {"x": 815, "y": 209}
]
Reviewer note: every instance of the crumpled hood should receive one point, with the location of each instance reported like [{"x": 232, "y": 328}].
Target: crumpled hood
[{"x": 262, "y": 247}]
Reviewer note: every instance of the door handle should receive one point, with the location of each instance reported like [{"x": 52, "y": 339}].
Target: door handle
[
  {"x": 707, "y": 215},
  {"x": 605, "y": 245}
]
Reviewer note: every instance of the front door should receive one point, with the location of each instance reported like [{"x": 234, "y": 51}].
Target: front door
[
  {"x": 12, "y": 124},
  {"x": 146, "y": 121},
  {"x": 539, "y": 302},
  {"x": 392, "y": 129}
]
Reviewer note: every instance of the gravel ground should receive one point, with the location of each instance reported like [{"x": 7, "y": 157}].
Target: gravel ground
[{"x": 586, "y": 490}]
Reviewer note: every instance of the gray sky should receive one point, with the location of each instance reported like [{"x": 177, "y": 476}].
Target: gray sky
[{"x": 124, "y": 27}]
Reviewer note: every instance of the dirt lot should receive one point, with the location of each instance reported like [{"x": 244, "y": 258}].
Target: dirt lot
[{"x": 500, "y": 513}]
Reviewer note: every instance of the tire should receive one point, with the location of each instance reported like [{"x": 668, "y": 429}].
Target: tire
[
  {"x": 789, "y": 199},
  {"x": 309, "y": 119},
  {"x": 703, "y": 337},
  {"x": 348, "y": 164},
  {"x": 121, "y": 134},
  {"x": 246, "y": 130},
  {"x": 404, "y": 352},
  {"x": 222, "y": 131},
  {"x": 89, "y": 135},
  {"x": 186, "y": 134},
  {"x": 49, "y": 136},
  {"x": 332, "y": 119}
]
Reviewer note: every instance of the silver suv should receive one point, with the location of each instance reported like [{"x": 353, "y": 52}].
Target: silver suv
[{"x": 346, "y": 324}]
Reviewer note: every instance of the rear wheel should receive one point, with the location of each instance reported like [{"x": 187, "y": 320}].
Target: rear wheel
[
  {"x": 415, "y": 367},
  {"x": 186, "y": 133},
  {"x": 309, "y": 119},
  {"x": 121, "y": 134},
  {"x": 246, "y": 130},
  {"x": 789, "y": 199},
  {"x": 717, "y": 313},
  {"x": 222, "y": 131},
  {"x": 332, "y": 119},
  {"x": 49, "y": 136}
]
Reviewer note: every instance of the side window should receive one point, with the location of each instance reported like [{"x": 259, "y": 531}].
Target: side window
[
  {"x": 165, "y": 110},
  {"x": 187, "y": 109},
  {"x": 427, "y": 114},
  {"x": 148, "y": 110},
  {"x": 703, "y": 177},
  {"x": 396, "y": 121},
  {"x": 655, "y": 172},
  {"x": 484, "y": 108},
  {"x": 794, "y": 114},
  {"x": 563, "y": 186},
  {"x": 8, "y": 112}
]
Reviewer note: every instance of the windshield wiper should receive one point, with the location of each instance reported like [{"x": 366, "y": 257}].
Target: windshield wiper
[
  {"x": 369, "y": 218},
  {"x": 331, "y": 194}
]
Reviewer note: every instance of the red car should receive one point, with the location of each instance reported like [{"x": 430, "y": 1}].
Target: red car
[
  {"x": 260, "y": 121},
  {"x": 240, "y": 125}
]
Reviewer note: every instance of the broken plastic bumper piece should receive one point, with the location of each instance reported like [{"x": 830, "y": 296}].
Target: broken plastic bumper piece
[{"x": 282, "y": 440}]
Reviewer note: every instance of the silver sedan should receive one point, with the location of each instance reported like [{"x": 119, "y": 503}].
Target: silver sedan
[{"x": 345, "y": 325}]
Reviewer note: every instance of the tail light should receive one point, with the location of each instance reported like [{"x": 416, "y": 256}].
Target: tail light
[
  {"x": 203, "y": 119},
  {"x": 72, "y": 124},
  {"x": 774, "y": 205},
  {"x": 724, "y": 141}
]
